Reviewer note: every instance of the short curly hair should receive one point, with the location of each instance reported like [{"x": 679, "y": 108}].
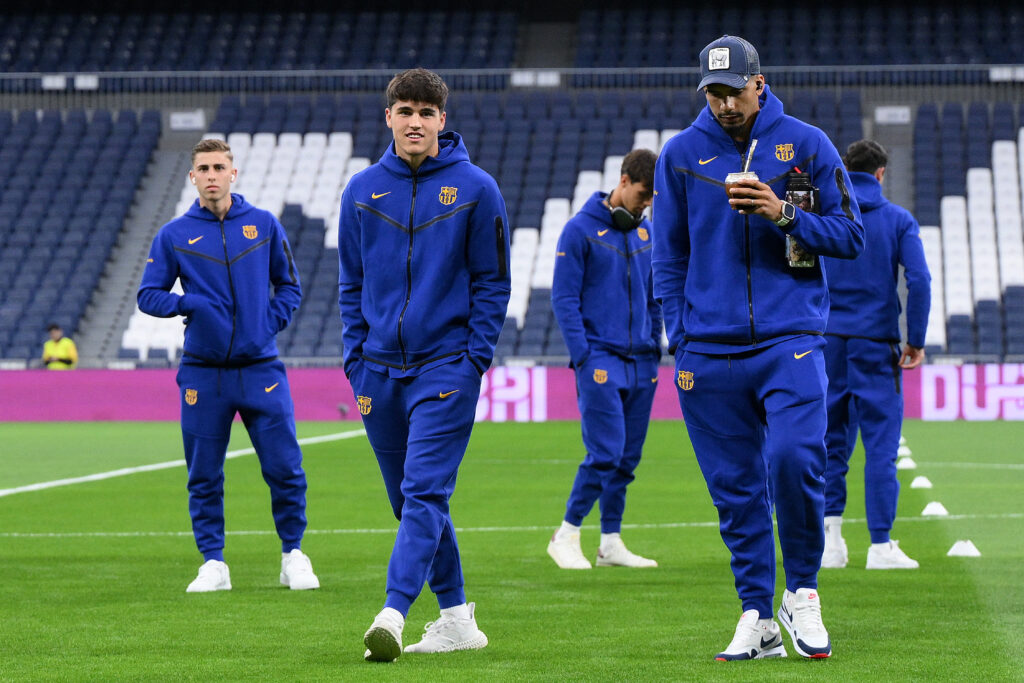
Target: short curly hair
[
  {"x": 639, "y": 166},
  {"x": 865, "y": 156},
  {"x": 418, "y": 85}
]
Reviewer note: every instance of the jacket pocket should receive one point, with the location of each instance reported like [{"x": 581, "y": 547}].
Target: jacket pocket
[{"x": 499, "y": 232}]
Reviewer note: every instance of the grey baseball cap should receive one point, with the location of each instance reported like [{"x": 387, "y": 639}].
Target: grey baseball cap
[{"x": 729, "y": 60}]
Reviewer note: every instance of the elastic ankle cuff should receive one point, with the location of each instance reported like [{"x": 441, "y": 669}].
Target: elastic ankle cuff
[
  {"x": 451, "y": 598},
  {"x": 399, "y": 602}
]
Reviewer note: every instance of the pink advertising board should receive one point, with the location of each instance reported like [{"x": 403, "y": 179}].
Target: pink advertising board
[{"x": 508, "y": 394}]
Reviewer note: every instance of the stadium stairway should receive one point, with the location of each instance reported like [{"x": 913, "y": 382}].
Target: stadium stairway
[{"x": 114, "y": 300}]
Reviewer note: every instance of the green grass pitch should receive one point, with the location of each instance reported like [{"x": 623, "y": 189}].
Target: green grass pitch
[{"x": 94, "y": 573}]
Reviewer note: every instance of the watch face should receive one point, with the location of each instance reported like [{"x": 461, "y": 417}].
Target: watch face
[{"x": 788, "y": 210}]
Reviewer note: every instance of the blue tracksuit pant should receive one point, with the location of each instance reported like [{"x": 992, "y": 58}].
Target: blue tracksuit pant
[
  {"x": 864, "y": 392},
  {"x": 210, "y": 397},
  {"x": 757, "y": 424},
  {"x": 615, "y": 397},
  {"x": 419, "y": 428}
]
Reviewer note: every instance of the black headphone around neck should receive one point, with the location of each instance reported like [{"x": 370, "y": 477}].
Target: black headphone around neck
[{"x": 624, "y": 220}]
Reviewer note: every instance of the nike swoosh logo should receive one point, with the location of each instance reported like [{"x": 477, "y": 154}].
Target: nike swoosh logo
[
  {"x": 601, "y": 233},
  {"x": 446, "y": 394},
  {"x": 654, "y": 379},
  {"x": 702, "y": 162},
  {"x": 196, "y": 239},
  {"x": 798, "y": 356},
  {"x": 271, "y": 387},
  {"x": 378, "y": 196}
]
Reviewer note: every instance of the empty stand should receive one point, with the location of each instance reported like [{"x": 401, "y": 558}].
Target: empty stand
[{"x": 68, "y": 180}]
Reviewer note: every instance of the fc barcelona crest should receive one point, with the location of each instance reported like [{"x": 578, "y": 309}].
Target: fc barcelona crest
[
  {"x": 600, "y": 376},
  {"x": 364, "y": 404},
  {"x": 642, "y": 234},
  {"x": 250, "y": 231},
  {"x": 784, "y": 152},
  {"x": 685, "y": 380},
  {"x": 191, "y": 396},
  {"x": 448, "y": 195}
]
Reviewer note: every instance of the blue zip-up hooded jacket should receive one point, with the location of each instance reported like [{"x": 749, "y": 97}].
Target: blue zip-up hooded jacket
[
  {"x": 423, "y": 262},
  {"x": 865, "y": 301},
  {"x": 226, "y": 269},
  {"x": 722, "y": 277},
  {"x": 602, "y": 290}
]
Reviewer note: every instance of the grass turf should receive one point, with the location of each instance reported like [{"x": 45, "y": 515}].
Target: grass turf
[{"x": 95, "y": 572}]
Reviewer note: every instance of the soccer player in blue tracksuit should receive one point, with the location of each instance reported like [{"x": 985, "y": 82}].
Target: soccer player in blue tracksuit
[
  {"x": 604, "y": 303},
  {"x": 228, "y": 254},
  {"x": 424, "y": 286},
  {"x": 864, "y": 361},
  {"x": 746, "y": 329}
]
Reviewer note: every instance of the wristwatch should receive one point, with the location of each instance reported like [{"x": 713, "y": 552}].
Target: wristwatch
[{"x": 788, "y": 215}]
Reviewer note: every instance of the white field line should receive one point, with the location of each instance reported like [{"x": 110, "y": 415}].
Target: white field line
[
  {"x": 975, "y": 465},
  {"x": 461, "y": 530},
  {"x": 125, "y": 471}
]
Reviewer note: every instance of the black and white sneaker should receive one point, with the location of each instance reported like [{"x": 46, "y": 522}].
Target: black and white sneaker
[
  {"x": 755, "y": 638},
  {"x": 800, "y": 613}
]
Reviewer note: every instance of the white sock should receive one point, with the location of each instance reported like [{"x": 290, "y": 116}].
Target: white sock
[
  {"x": 566, "y": 530},
  {"x": 608, "y": 539},
  {"x": 459, "y": 611},
  {"x": 394, "y": 614},
  {"x": 882, "y": 546},
  {"x": 834, "y": 527}
]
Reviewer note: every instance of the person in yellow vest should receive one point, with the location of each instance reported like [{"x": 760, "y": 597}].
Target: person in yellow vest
[{"x": 59, "y": 353}]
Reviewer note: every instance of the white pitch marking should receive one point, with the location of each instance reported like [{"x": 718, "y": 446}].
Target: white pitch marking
[
  {"x": 978, "y": 465},
  {"x": 162, "y": 465},
  {"x": 461, "y": 530}
]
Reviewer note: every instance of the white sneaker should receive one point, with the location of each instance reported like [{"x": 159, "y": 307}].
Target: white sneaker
[
  {"x": 450, "y": 633},
  {"x": 800, "y": 613},
  {"x": 213, "y": 576},
  {"x": 297, "y": 571},
  {"x": 835, "y": 555},
  {"x": 566, "y": 551},
  {"x": 755, "y": 638},
  {"x": 383, "y": 639},
  {"x": 889, "y": 556},
  {"x": 615, "y": 554}
]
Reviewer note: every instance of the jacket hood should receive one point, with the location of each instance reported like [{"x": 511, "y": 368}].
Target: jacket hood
[
  {"x": 868, "y": 190},
  {"x": 595, "y": 208},
  {"x": 770, "y": 114},
  {"x": 450, "y": 150},
  {"x": 238, "y": 207}
]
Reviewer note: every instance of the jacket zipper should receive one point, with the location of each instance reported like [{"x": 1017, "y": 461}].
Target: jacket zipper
[
  {"x": 629, "y": 290},
  {"x": 234, "y": 297},
  {"x": 408, "y": 274},
  {"x": 749, "y": 258},
  {"x": 750, "y": 286}
]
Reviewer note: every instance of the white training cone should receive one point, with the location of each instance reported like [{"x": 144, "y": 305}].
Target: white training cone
[
  {"x": 964, "y": 549},
  {"x": 906, "y": 464},
  {"x": 903, "y": 451},
  {"x": 936, "y": 509},
  {"x": 903, "y": 440},
  {"x": 921, "y": 483}
]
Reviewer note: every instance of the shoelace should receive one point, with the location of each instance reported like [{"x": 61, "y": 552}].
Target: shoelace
[
  {"x": 438, "y": 625},
  {"x": 300, "y": 562},
  {"x": 809, "y": 614}
]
